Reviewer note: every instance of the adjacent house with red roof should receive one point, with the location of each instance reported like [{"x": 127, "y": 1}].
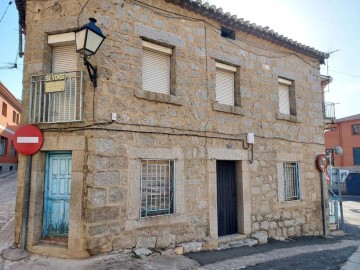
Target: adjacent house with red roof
[
  {"x": 346, "y": 133},
  {"x": 9, "y": 122}
]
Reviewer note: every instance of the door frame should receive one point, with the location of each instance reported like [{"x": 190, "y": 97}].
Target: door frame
[
  {"x": 75, "y": 246},
  {"x": 47, "y": 171},
  {"x": 243, "y": 188}
]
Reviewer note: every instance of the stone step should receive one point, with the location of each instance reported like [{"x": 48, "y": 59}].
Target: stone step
[
  {"x": 231, "y": 238},
  {"x": 333, "y": 226},
  {"x": 237, "y": 243}
]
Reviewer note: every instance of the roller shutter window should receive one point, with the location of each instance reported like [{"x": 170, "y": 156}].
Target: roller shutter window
[
  {"x": 65, "y": 60},
  {"x": 156, "y": 68},
  {"x": 284, "y": 96},
  {"x": 225, "y": 84}
]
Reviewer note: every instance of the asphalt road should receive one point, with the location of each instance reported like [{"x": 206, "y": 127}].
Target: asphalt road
[{"x": 324, "y": 260}]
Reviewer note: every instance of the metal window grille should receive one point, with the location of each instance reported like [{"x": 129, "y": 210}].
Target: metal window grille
[
  {"x": 291, "y": 181},
  {"x": 328, "y": 110},
  {"x": 157, "y": 187},
  {"x": 12, "y": 150},
  {"x": 65, "y": 106}
]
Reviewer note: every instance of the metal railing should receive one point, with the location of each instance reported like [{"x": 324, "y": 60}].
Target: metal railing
[
  {"x": 329, "y": 110},
  {"x": 54, "y": 107}
]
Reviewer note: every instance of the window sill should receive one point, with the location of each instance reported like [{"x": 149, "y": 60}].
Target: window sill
[
  {"x": 291, "y": 204},
  {"x": 287, "y": 117},
  {"x": 155, "y": 221},
  {"x": 227, "y": 108},
  {"x": 148, "y": 95}
]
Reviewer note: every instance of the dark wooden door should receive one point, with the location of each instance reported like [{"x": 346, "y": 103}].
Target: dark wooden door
[{"x": 226, "y": 197}]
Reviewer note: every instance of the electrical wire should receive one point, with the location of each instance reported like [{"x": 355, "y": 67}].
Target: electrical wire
[
  {"x": 104, "y": 126},
  {"x": 174, "y": 15},
  {"x": 189, "y": 132},
  {"x": 6, "y": 10},
  {"x": 10, "y": 66},
  {"x": 165, "y": 13},
  {"x": 51, "y": 6},
  {"x": 81, "y": 11},
  {"x": 345, "y": 74}
]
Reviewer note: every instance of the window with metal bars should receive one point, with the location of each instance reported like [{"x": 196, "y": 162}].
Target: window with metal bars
[
  {"x": 3, "y": 143},
  {"x": 12, "y": 150},
  {"x": 157, "y": 187},
  {"x": 291, "y": 181},
  {"x": 356, "y": 129}
]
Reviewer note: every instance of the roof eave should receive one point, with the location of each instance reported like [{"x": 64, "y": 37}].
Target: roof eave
[
  {"x": 21, "y": 7},
  {"x": 263, "y": 32}
]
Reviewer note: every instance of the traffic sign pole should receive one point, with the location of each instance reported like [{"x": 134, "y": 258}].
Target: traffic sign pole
[{"x": 28, "y": 140}]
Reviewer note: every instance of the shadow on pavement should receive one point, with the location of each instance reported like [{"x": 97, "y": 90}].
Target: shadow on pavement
[{"x": 208, "y": 257}]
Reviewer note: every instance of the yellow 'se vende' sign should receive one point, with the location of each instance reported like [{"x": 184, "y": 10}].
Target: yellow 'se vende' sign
[{"x": 55, "y": 82}]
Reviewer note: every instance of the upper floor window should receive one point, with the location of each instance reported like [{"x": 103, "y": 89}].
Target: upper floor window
[
  {"x": 284, "y": 96},
  {"x": 58, "y": 97},
  {"x": 4, "y": 109},
  {"x": 156, "y": 68},
  {"x": 225, "y": 84},
  {"x": 14, "y": 117},
  {"x": 356, "y": 129}
]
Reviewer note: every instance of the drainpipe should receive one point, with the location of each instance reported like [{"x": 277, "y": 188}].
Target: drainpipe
[
  {"x": 26, "y": 202},
  {"x": 325, "y": 219},
  {"x": 21, "y": 53}
]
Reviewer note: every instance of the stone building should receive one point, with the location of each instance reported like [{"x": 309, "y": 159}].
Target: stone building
[{"x": 190, "y": 86}]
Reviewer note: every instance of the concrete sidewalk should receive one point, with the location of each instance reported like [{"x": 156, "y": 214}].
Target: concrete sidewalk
[
  {"x": 234, "y": 258},
  {"x": 7, "y": 209},
  {"x": 353, "y": 263}
]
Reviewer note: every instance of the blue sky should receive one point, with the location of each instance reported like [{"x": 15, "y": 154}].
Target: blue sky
[
  {"x": 326, "y": 25},
  {"x": 9, "y": 43}
]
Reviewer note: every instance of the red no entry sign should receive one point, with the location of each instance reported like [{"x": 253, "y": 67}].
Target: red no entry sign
[{"x": 28, "y": 140}]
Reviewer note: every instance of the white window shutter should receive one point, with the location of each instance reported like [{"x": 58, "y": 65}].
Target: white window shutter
[
  {"x": 65, "y": 60},
  {"x": 284, "y": 99},
  {"x": 156, "y": 72},
  {"x": 225, "y": 87}
]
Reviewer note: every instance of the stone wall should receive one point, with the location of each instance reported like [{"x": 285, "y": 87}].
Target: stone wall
[{"x": 184, "y": 126}]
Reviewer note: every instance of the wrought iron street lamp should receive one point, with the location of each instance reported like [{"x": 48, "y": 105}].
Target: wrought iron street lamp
[{"x": 88, "y": 40}]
